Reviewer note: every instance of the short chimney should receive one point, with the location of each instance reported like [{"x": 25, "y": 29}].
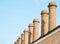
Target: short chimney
[
  {"x": 52, "y": 15},
  {"x": 35, "y": 29},
  {"x": 44, "y": 22},
  {"x": 19, "y": 40},
  {"x": 26, "y": 36},
  {"x": 22, "y": 38},
  {"x": 30, "y": 33}
]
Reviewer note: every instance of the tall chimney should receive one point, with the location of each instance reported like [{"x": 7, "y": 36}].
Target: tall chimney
[
  {"x": 44, "y": 22},
  {"x": 26, "y": 36},
  {"x": 35, "y": 29},
  {"x": 19, "y": 40},
  {"x": 52, "y": 15},
  {"x": 30, "y": 33},
  {"x": 22, "y": 38}
]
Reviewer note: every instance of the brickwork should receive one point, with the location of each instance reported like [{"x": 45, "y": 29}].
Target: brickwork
[
  {"x": 44, "y": 22},
  {"x": 19, "y": 41},
  {"x": 53, "y": 39},
  {"x": 22, "y": 38},
  {"x": 52, "y": 15},
  {"x": 35, "y": 29},
  {"x": 30, "y": 33},
  {"x": 26, "y": 36},
  {"x": 48, "y": 23}
]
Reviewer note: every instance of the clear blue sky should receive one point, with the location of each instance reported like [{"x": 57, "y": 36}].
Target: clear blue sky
[{"x": 15, "y": 15}]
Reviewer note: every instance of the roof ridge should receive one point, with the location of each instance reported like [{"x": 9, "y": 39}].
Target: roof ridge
[{"x": 47, "y": 33}]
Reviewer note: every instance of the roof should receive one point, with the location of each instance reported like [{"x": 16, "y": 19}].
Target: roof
[{"x": 46, "y": 34}]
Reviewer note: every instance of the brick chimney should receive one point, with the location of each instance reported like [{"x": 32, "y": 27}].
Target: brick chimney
[
  {"x": 26, "y": 36},
  {"x": 35, "y": 29},
  {"x": 19, "y": 40},
  {"x": 44, "y": 22},
  {"x": 22, "y": 38},
  {"x": 30, "y": 33},
  {"x": 52, "y": 15}
]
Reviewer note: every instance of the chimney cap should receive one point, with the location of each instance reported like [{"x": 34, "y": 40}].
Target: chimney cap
[
  {"x": 26, "y": 30},
  {"x": 18, "y": 38},
  {"x": 44, "y": 12},
  {"x": 52, "y": 4},
  {"x": 30, "y": 25},
  {"x": 36, "y": 20}
]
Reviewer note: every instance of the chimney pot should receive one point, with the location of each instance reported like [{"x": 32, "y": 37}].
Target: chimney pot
[
  {"x": 25, "y": 30},
  {"x": 35, "y": 20},
  {"x": 52, "y": 15},
  {"x": 30, "y": 33},
  {"x": 52, "y": 4},
  {"x": 44, "y": 12},
  {"x": 35, "y": 29},
  {"x": 19, "y": 40},
  {"x": 22, "y": 38},
  {"x": 26, "y": 36},
  {"x": 44, "y": 22},
  {"x": 30, "y": 25}
]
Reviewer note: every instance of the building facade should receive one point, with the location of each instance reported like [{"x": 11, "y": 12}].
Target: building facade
[{"x": 50, "y": 33}]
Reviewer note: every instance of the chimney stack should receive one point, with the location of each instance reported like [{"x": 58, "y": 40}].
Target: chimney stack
[
  {"x": 22, "y": 38},
  {"x": 44, "y": 22},
  {"x": 35, "y": 29},
  {"x": 26, "y": 36},
  {"x": 52, "y": 15},
  {"x": 19, "y": 41},
  {"x": 30, "y": 33}
]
